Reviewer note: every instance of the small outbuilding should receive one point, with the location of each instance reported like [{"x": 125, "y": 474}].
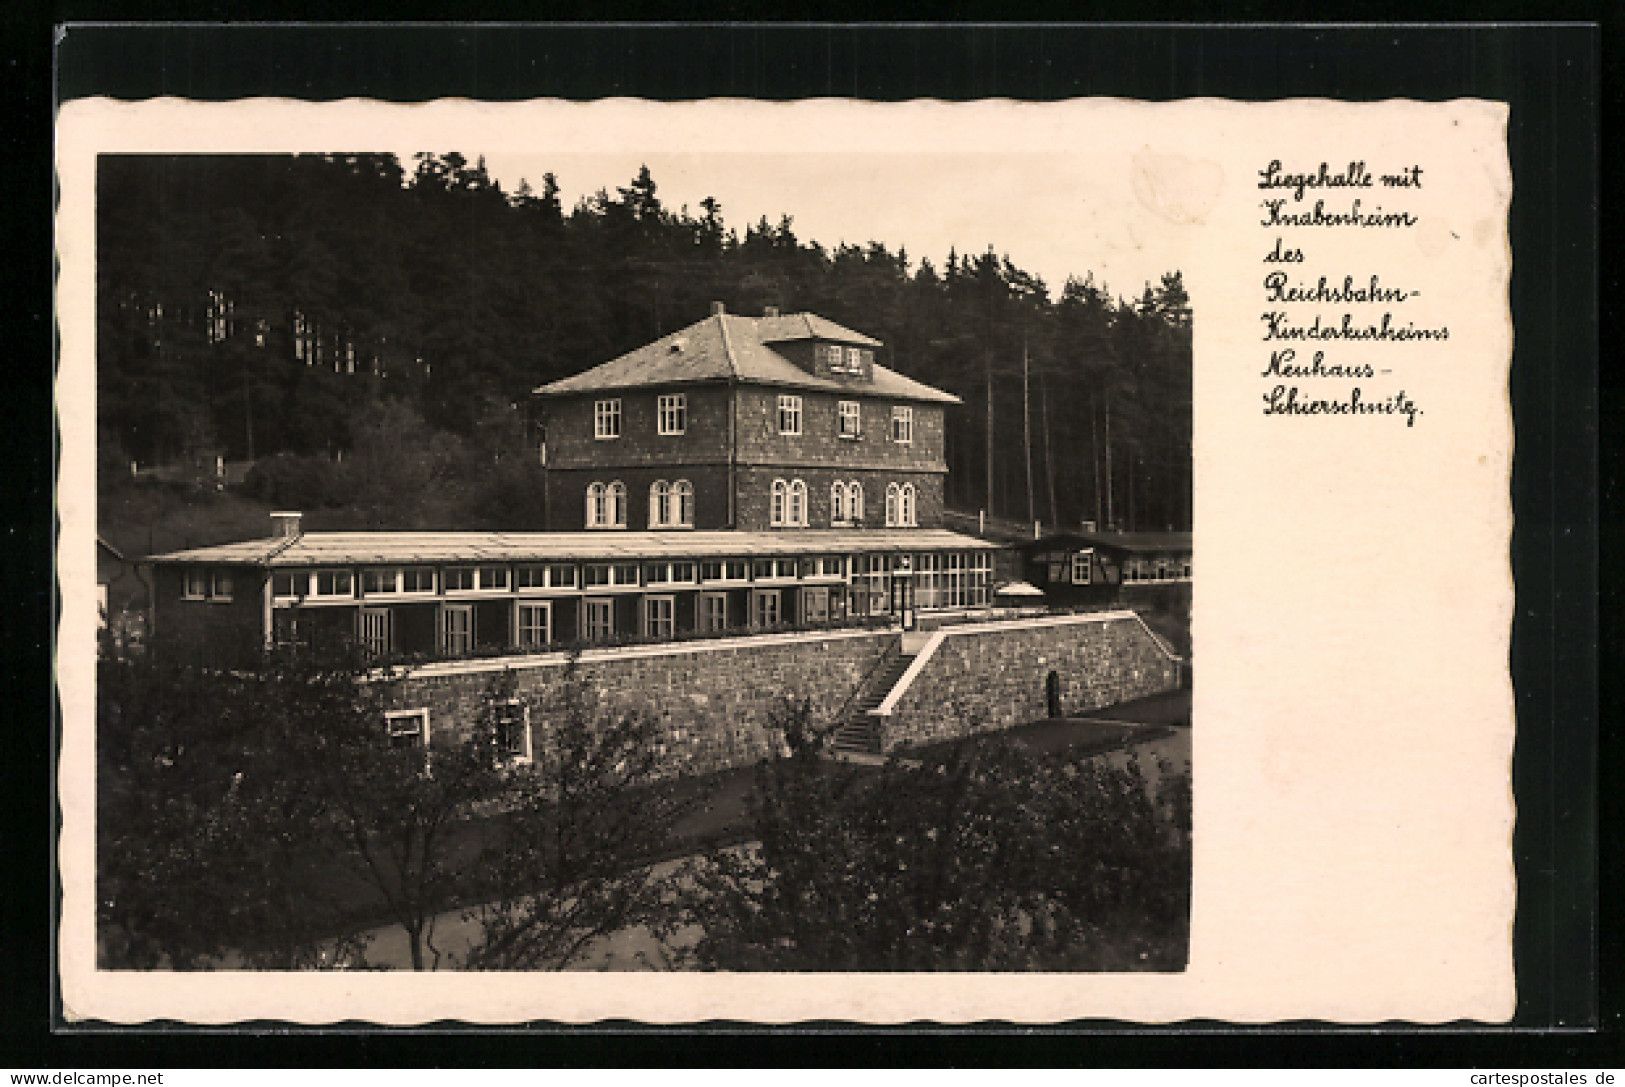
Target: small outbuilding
[{"x": 1104, "y": 567}]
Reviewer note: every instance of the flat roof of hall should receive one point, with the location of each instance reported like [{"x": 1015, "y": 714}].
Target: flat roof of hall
[{"x": 367, "y": 548}]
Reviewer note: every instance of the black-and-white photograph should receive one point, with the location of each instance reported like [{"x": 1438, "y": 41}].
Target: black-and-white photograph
[{"x": 613, "y": 561}]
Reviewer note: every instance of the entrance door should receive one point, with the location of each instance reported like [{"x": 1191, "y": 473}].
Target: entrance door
[
  {"x": 815, "y": 605},
  {"x": 373, "y": 631},
  {"x": 713, "y": 611},
  {"x": 535, "y": 623},
  {"x": 902, "y": 597},
  {"x": 457, "y": 629},
  {"x": 765, "y": 608}
]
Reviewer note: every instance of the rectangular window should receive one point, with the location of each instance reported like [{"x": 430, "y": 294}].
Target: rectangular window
[
  {"x": 457, "y": 629},
  {"x": 1082, "y": 566},
  {"x": 711, "y": 571},
  {"x": 220, "y": 584},
  {"x": 1185, "y": 569},
  {"x": 854, "y": 360},
  {"x": 561, "y": 576},
  {"x": 600, "y": 620},
  {"x": 789, "y": 415},
  {"x": 512, "y": 719},
  {"x": 287, "y": 584},
  {"x": 530, "y": 577},
  {"x": 595, "y": 574},
  {"x": 765, "y": 608},
  {"x": 376, "y": 581},
  {"x": 902, "y": 424},
  {"x": 626, "y": 574},
  {"x": 736, "y": 570},
  {"x": 606, "y": 419},
  {"x": 659, "y": 616},
  {"x": 673, "y": 413},
  {"x": 535, "y": 625},
  {"x": 761, "y": 569},
  {"x": 851, "y": 419},
  {"x": 682, "y": 572},
  {"x": 656, "y": 573},
  {"x": 334, "y": 583},
  {"x": 417, "y": 579},
  {"x": 407, "y": 728},
  {"x": 832, "y": 357},
  {"x": 372, "y": 631},
  {"x": 459, "y": 579},
  {"x": 713, "y": 611},
  {"x": 493, "y": 577},
  {"x": 195, "y": 584},
  {"x": 815, "y": 605}
]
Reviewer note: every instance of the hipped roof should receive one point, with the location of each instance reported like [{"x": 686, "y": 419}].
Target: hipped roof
[{"x": 727, "y": 347}]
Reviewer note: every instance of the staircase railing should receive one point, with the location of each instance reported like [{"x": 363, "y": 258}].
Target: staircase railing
[{"x": 893, "y": 650}]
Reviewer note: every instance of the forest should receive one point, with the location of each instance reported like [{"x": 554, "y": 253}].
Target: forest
[{"x": 341, "y": 321}]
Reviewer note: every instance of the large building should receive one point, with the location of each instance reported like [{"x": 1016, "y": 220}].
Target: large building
[
  {"x": 755, "y": 423},
  {"x": 740, "y": 474}
]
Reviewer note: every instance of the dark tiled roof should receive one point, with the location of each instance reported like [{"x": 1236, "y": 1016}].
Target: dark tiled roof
[
  {"x": 1124, "y": 541},
  {"x": 729, "y": 347},
  {"x": 362, "y": 548}
]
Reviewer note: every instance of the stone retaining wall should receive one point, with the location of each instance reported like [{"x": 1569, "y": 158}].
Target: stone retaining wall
[
  {"x": 992, "y": 676},
  {"x": 713, "y": 699}
]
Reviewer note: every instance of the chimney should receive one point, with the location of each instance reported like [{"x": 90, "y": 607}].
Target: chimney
[
  {"x": 284, "y": 525},
  {"x": 718, "y": 309},
  {"x": 770, "y": 311}
]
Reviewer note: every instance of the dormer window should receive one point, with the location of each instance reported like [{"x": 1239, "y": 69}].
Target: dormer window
[{"x": 854, "y": 360}]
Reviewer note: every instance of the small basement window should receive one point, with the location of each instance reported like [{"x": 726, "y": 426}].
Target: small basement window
[
  {"x": 513, "y": 730},
  {"x": 407, "y": 728}
]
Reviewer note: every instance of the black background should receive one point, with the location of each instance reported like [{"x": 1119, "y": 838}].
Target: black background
[{"x": 1552, "y": 76}]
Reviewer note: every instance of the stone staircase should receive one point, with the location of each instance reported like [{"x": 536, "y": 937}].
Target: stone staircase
[{"x": 858, "y": 734}]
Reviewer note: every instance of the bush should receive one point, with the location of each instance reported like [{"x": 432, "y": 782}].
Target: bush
[{"x": 983, "y": 859}]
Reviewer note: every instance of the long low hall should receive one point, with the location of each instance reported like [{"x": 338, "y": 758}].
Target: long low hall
[{"x": 434, "y": 595}]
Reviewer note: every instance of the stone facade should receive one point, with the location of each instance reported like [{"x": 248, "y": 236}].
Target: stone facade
[
  {"x": 820, "y": 441},
  {"x": 712, "y": 699},
  {"x": 818, "y": 455},
  {"x": 993, "y": 676}
]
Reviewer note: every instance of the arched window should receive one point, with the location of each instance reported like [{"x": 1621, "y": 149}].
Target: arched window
[
  {"x": 659, "y": 504},
  {"x": 682, "y": 503},
  {"x": 781, "y": 493},
  {"x": 617, "y": 504},
  {"x": 798, "y": 503},
  {"x": 905, "y": 509},
  {"x": 597, "y": 508},
  {"x": 837, "y": 503},
  {"x": 893, "y": 497},
  {"x": 854, "y": 501}
]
